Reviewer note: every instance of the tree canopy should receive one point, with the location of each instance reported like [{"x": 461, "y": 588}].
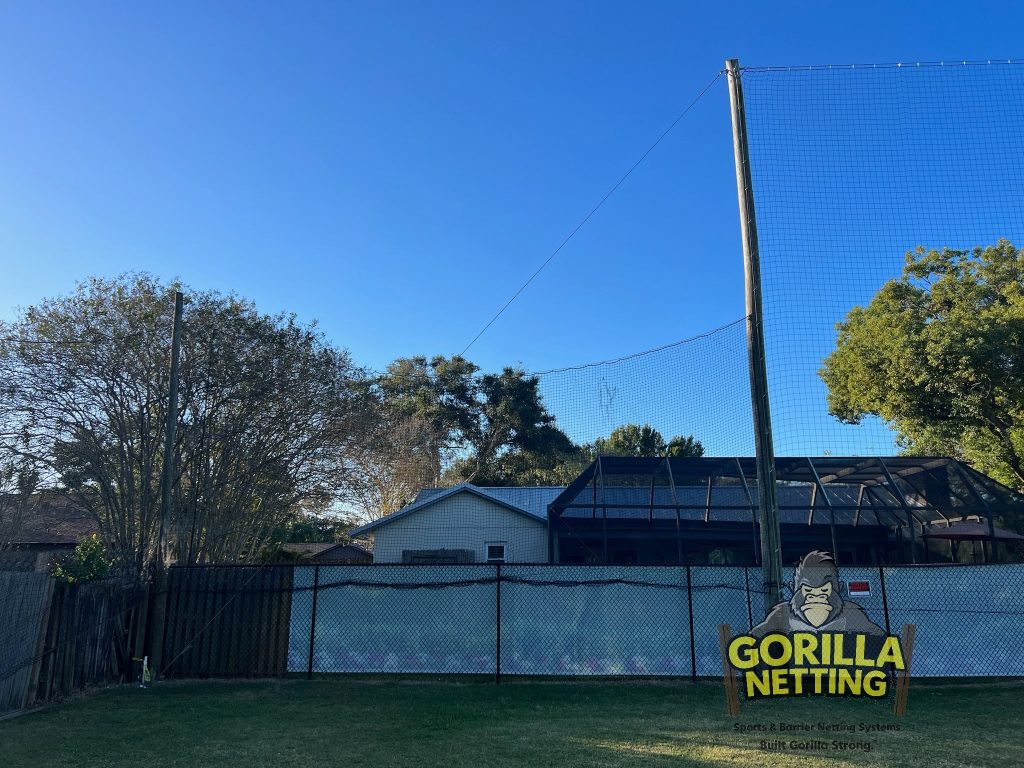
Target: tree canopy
[
  {"x": 264, "y": 404},
  {"x": 637, "y": 441},
  {"x": 939, "y": 355},
  {"x": 459, "y": 425}
]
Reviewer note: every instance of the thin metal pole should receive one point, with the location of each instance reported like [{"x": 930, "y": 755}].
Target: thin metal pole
[
  {"x": 312, "y": 622},
  {"x": 753, "y": 514},
  {"x": 898, "y": 494},
  {"x": 604, "y": 511},
  {"x": 885, "y": 598},
  {"x": 707, "y": 499},
  {"x": 551, "y": 548},
  {"x": 497, "y": 625},
  {"x": 750, "y": 608},
  {"x": 167, "y": 487},
  {"x": 771, "y": 537},
  {"x": 828, "y": 503},
  {"x": 675, "y": 501},
  {"x": 979, "y": 497},
  {"x": 693, "y": 644}
]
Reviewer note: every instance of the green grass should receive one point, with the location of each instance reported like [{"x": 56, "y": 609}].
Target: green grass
[{"x": 345, "y": 722}]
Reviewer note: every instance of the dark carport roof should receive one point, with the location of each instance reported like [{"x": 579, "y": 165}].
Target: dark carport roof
[{"x": 883, "y": 490}]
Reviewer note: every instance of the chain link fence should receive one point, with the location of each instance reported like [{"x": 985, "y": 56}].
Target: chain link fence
[{"x": 555, "y": 620}]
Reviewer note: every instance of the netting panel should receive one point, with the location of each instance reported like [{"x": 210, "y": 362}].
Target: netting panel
[
  {"x": 853, "y": 167},
  {"x": 436, "y": 619},
  {"x": 576, "y": 620}
]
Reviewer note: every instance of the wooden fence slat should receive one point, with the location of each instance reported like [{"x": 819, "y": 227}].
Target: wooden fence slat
[
  {"x": 261, "y": 625},
  {"x": 181, "y": 667},
  {"x": 32, "y": 690},
  {"x": 173, "y": 624},
  {"x": 201, "y": 641},
  {"x": 223, "y": 625},
  {"x": 238, "y": 579},
  {"x": 234, "y": 620},
  {"x": 246, "y": 604},
  {"x": 23, "y": 607},
  {"x": 284, "y": 614}
]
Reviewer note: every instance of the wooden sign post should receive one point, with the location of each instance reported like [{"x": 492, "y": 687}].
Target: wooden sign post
[
  {"x": 732, "y": 697},
  {"x": 903, "y": 680}
]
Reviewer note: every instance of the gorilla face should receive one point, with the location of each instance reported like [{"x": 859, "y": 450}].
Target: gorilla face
[
  {"x": 816, "y": 589},
  {"x": 816, "y": 603}
]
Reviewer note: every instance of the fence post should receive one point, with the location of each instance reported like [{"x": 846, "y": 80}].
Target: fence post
[
  {"x": 885, "y": 598},
  {"x": 312, "y": 622},
  {"x": 497, "y": 625},
  {"x": 693, "y": 646},
  {"x": 142, "y": 609}
]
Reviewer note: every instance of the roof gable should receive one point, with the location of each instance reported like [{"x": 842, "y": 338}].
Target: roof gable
[{"x": 510, "y": 501}]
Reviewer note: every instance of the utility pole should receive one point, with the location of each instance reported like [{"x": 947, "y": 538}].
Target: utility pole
[
  {"x": 771, "y": 538},
  {"x": 166, "y": 496}
]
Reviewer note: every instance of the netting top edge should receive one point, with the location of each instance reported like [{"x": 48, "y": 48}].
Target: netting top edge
[{"x": 888, "y": 65}]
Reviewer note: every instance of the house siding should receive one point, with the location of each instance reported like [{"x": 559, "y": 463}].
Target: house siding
[{"x": 463, "y": 521}]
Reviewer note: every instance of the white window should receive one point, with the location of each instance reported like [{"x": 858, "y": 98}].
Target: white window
[{"x": 496, "y": 552}]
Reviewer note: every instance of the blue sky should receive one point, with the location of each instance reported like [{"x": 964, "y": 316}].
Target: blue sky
[{"x": 396, "y": 170}]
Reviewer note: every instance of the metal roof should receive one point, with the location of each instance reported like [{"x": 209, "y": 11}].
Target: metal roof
[{"x": 889, "y": 491}]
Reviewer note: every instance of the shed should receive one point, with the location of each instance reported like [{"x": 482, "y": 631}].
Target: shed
[{"x": 339, "y": 553}]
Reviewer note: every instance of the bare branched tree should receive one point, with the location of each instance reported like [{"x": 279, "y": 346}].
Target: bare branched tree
[
  {"x": 394, "y": 458},
  {"x": 263, "y": 408},
  {"x": 19, "y": 479}
]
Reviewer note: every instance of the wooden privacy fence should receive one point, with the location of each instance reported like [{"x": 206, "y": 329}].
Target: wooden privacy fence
[
  {"x": 227, "y": 622},
  {"x": 57, "y": 638}
]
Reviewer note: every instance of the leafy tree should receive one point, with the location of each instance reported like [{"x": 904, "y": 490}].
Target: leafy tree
[
  {"x": 489, "y": 429},
  {"x": 637, "y": 441},
  {"x": 631, "y": 440},
  {"x": 396, "y": 455},
  {"x": 439, "y": 398},
  {"x": 939, "y": 355},
  {"x": 89, "y": 562},
  {"x": 308, "y": 528},
  {"x": 263, "y": 414},
  {"x": 684, "y": 447}
]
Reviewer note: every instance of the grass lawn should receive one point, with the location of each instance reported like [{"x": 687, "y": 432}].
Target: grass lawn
[{"x": 345, "y": 722}]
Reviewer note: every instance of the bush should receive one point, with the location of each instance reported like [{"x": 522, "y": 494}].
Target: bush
[{"x": 89, "y": 562}]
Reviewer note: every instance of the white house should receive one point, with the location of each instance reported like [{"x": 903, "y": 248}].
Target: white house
[{"x": 465, "y": 523}]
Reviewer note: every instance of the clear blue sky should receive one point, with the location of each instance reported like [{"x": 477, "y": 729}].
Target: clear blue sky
[{"x": 396, "y": 170}]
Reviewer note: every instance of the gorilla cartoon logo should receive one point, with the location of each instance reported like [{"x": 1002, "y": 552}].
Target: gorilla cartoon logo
[{"x": 816, "y": 605}]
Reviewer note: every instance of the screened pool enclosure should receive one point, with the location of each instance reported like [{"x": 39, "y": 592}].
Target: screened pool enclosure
[{"x": 867, "y": 510}]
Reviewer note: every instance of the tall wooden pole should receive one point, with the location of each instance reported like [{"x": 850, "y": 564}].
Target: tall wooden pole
[
  {"x": 771, "y": 538},
  {"x": 166, "y": 496}
]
